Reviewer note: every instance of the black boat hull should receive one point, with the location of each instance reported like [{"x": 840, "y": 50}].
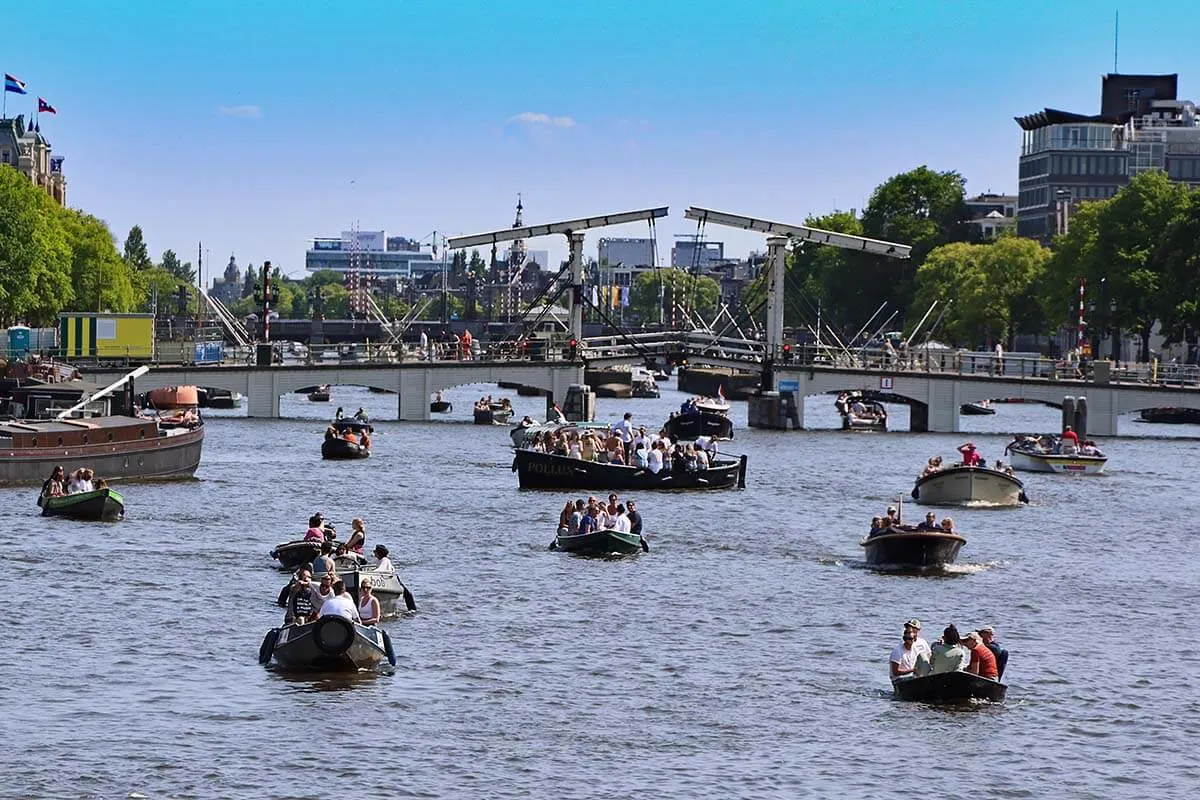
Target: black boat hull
[
  {"x": 600, "y": 543},
  {"x": 688, "y": 427},
  {"x": 101, "y": 505},
  {"x": 291, "y": 555},
  {"x": 975, "y": 410},
  {"x": 328, "y": 644},
  {"x": 545, "y": 471},
  {"x": 949, "y": 687},
  {"x": 342, "y": 450},
  {"x": 493, "y": 416},
  {"x": 912, "y": 550},
  {"x": 1171, "y": 415},
  {"x": 444, "y": 407}
]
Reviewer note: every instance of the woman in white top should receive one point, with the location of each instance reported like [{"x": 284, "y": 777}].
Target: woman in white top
[
  {"x": 654, "y": 459},
  {"x": 384, "y": 563},
  {"x": 368, "y": 603},
  {"x": 573, "y": 448}
]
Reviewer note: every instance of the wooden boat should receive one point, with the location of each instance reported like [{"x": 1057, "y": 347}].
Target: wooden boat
[
  {"x": 904, "y": 547},
  {"x": 497, "y": 413},
  {"x": 949, "y": 687},
  {"x": 708, "y": 416},
  {"x": 547, "y": 471},
  {"x": 1170, "y": 415},
  {"x": 860, "y": 413},
  {"x": 320, "y": 394},
  {"x": 440, "y": 406},
  {"x": 118, "y": 447},
  {"x": 600, "y": 543},
  {"x": 327, "y": 644},
  {"x": 522, "y": 435},
  {"x": 99, "y": 505},
  {"x": 959, "y": 485},
  {"x": 340, "y": 449},
  {"x": 1051, "y": 454},
  {"x": 291, "y": 555},
  {"x": 979, "y": 409}
]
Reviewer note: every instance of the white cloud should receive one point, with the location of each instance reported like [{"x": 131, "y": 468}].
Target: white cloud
[
  {"x": 242, "y": 112},
  {"x": 537, "y": 118}
]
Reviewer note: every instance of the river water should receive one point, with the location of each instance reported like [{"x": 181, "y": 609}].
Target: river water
[{"x": 744, "y": 656}]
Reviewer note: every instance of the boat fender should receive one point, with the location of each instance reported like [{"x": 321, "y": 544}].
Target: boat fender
[
  {"x": 282, "y": 600},
  {"x": 387, "y": 648},
  {"x": 1024, "y": 498},
  {"x": 333, "y": 635},
  {"x": 267, "y": 648}
]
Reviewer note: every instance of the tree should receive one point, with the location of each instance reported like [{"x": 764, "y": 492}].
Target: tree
[
  {"x": 920, "y": 208},
  {"x": 1181, "y": 273},
  {"x": 171, "y": 263},
  {"x": 249, "y": 281},
  {"x": 136, "y": 255},
  {"x": 35, "y": 258},
  {"x": 680, "y": 292},
  {"x": 100, "y": 278}
]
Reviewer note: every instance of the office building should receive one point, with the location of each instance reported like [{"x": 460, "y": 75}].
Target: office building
[
  {"x": 371, "y": 252},
  {"x": 636, "y": 254},
  {"x": 28, "y": 152},
  {"x": 991, "y": 214},
  {"x": 1067, "y": 158},
  {"x": 690, "y": 252}
]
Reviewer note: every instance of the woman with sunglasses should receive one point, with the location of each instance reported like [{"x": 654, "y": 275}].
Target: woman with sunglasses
[{"x": 368, "y": 603}]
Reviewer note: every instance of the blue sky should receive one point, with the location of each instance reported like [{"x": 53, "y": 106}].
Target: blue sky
[{"x": 254, "y": 126}]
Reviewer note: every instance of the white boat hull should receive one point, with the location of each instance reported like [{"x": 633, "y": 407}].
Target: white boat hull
[
  {"x": 1051, "y": 462},
  {"x": 960, "y": 486}
]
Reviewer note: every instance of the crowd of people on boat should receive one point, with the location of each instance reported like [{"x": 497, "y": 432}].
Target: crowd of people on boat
[
  {"x": 486, "y": 403},
  {"x": 359, "y": 416},
  {"x": 626, "y": 445},
  {"x": 80, "y": 480},
  {"x": 1068, "y": 444},
  {"x": 580, "y": 517},
  {"x": 307, "y": 600},
  {"x": 854, "y": 404},
  {"x": 891, "y": 520},
  {"x": 977, "y": 652},
  {"x": 692, "y": 404},
  {"x": 360, "y": 437},
  {"x": 971, "y": 457}
]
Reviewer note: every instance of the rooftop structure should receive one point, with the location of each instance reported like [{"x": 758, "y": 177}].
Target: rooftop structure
[{"x": 27, "y": 151}]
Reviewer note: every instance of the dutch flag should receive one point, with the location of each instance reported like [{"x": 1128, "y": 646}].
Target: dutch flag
[{"x": 13, "y": 84}]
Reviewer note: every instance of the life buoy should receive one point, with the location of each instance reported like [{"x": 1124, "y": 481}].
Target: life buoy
[
  {"x": 267, "y": 648},
  {"x": 333, "y": 635}
]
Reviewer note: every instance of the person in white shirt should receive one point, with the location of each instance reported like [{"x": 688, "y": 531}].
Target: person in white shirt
[
  {"x": 920, "y": 646},
  {"x": 340, "y": 605},
  {"x": 622, "y": 520},
  {"x": 383, "y": 563},
  {"x": 424, "y": 346},
  {"x": 654, "y": 459},
  {"x": 904, "y": 657}
]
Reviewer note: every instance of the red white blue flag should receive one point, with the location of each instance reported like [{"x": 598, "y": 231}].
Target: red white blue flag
[
  {"x": 14, "y": 84},
  {"x": 46, "y": 108}
]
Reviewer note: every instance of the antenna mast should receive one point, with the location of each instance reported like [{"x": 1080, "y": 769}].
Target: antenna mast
[{"x": 1116, "y": 36}]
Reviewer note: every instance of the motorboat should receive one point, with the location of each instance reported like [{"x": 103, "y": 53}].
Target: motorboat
[
  {"x": 861, "y": 413},
  {"x": 439, "y": 405},
  {"x": 337, "y": 447},
  {"x": 394, "y": 597},
  {"x": 960, "y": 485},
  {"x": 98, "y": 505},
  {"x": 219, "y": 398},
  {"x": 291, "y": 555},
  {"x": 705, "y": 416},
  {"x": 982, "y": 408},
  {"x": 1052, "y": 454},
  {"x": 642, "y": 383},
  {"x": 496, "y": 412},
  {"x": 948, "y": 687},
  {"x": 1170, "y": 415},
  {"x": 603, "y": 542},
  {"x": 327, "y": 644},
  {"x": 548, "y": 471},
  {"x": 905, "y": 547},
  {"x": 321, "y": 394},
  {"x": 522, "y": 434}
]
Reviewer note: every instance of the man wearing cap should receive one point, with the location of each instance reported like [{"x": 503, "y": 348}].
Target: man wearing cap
[
  {"x": 892, "y": 517},
  {"x": 970, "y": 456},
  {"x": 920, "y": 646},
  {"x": 904, "y": 656},
  {"x": 989, "y": 641},
  {"x": 982, "y": 663}
]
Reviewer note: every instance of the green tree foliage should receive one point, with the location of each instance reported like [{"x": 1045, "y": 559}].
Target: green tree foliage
[
  {"x": 35, "y": 258},
  {"x": 680, "y": 292},
  {"x": 101, "y": 279},
  {"x": 1180, "y": 256},
  {"x": 136, "y": 255},
  {"x": 184, "y": 271},
  {"x": 1120, "y": 247},
  {"x": 981, "y": 288}
]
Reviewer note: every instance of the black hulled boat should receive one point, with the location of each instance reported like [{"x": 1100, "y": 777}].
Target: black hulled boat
[
  {"x": 949, "y": 687},
  {"x": 905, "y": 547},
  {"x": 339, "y": 448},
  {"x": 547, "y": 471},
  {"x": 291, "y": 555},
  {"x": 328, "y": 644},
  {"x": 606, "y": 541},
  {"x": 98, "y": 505},
  {"x": 1170, "y": 415}
]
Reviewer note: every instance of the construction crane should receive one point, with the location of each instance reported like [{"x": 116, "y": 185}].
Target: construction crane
[
  {"x": 573, "y": 229},
  {"x": 778, "y": 234}
]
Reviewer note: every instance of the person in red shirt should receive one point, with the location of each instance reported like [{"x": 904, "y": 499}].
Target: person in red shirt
[
  {"x": 983, "y": 662},
  {"x": 1070, "y": 435},
  {"x": 970, "y": 456}
]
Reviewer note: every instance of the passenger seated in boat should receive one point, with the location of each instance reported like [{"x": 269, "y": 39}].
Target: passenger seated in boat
[
  {"x": 903, "y": 661},
  {"x": 331, "y": 433},
  {"x": 53, "y": 487},
  {"x": 368, "y": 603},
  {"x": 858, "y": 409},
  {"x": 358, "y": 535},
  {"x": 988, "y": 635},
  {"x": 947, "y": 525},
  {"x": 641, "y": 456},
  {"x": 891, "y": 517},
  {"x": 1090, "y": 449},
  {"x": 587, "y": 523},
  {"x": 621, "y": 521},
  {"x": 564, "y": 517},
  {"x": 361, "y": 415},
  {"x": 576, "y": 517},
  {"x": 323, "y": 564},
  {"x": 338, "y": 415},
  {"x": 931, "y": 467},
  {"x": 300, "y": 605},
  {"x": 382, "y": 562},
  {"x": 574, "y": 446},
  {"x": 587, "y": 446},
  {"x": 983, "y": 662},
  {"x": 877, "y": 527},
  {"x": 365, "y": 441},
  {"x": 527, "y": 422},
  {"x": 81, "y": 481},
  {"x": 316, "y": 530},
  {"x": 322, "y": 591},
  {"x": 930, "y": 523},
  {"x": 701, "y": 458},
  {"x": 350, "y": 437},
  {"x": 1071, "y": 436},
  {"x": 947, "y": 654},
  {"x": 970, "y": 455},
  {"x": 654, "y": 458},
  {"x": 635, "y": 518},
  {"x": 341, "y": 604}
]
